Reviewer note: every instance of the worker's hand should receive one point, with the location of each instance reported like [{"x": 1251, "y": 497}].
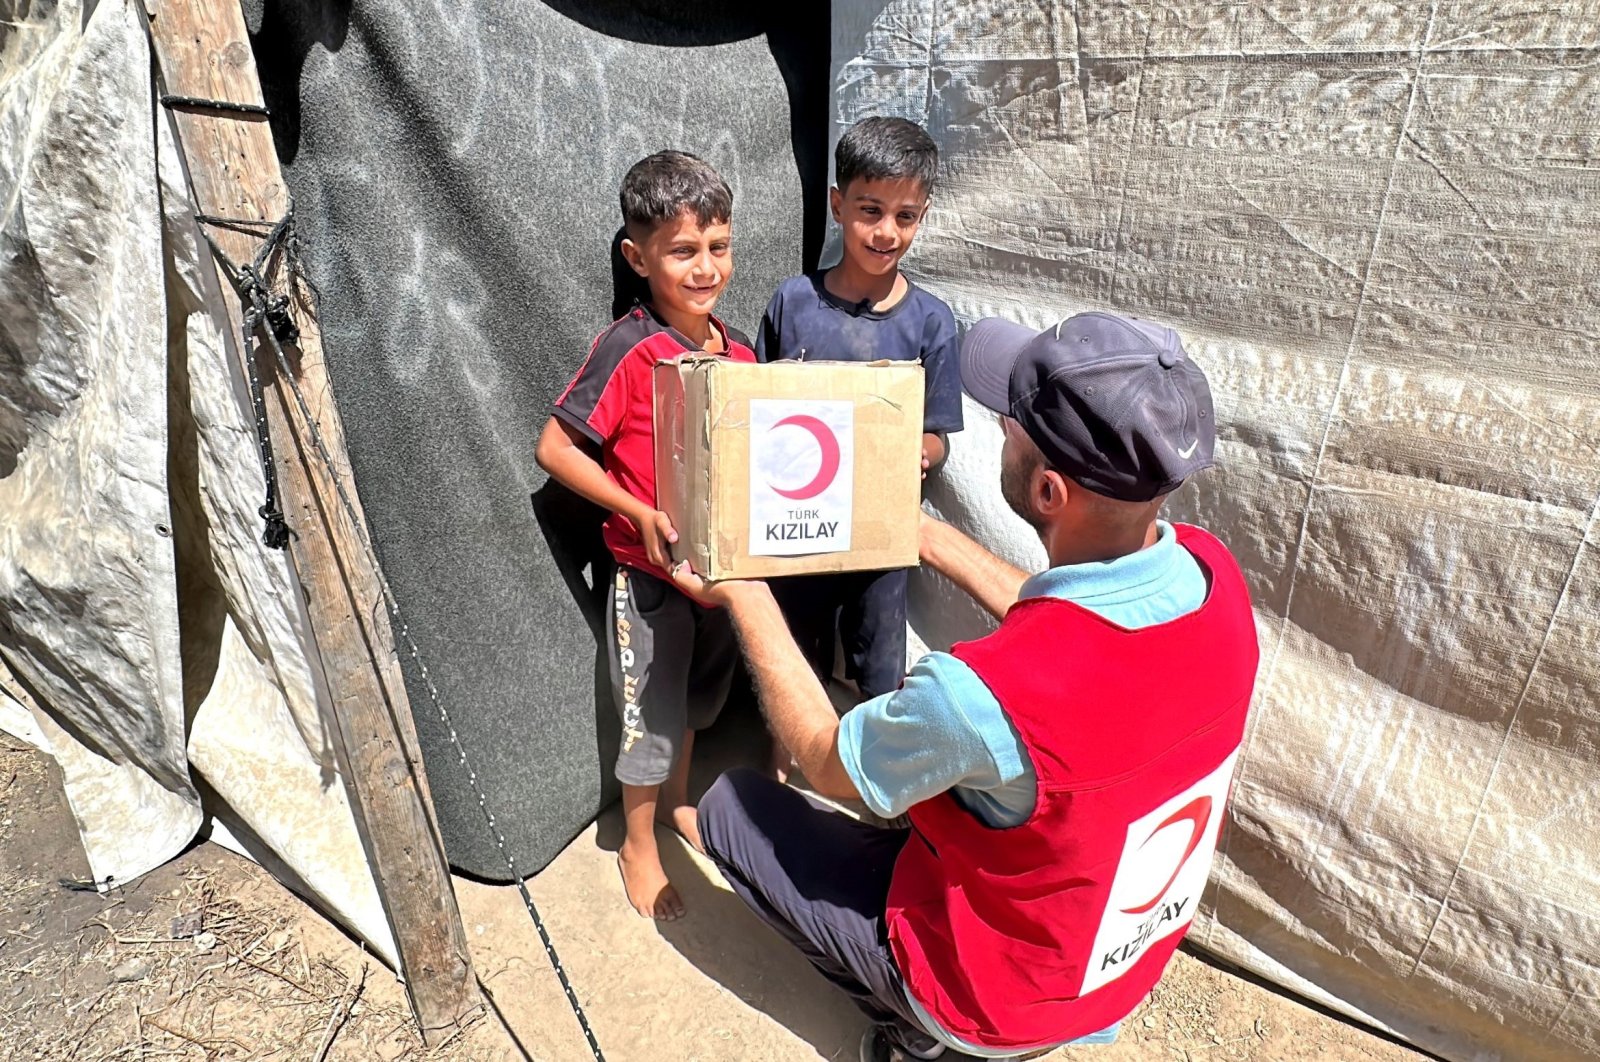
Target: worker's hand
[
  {"x": 655, "y": 527},
  {"x": 725, "y": 593}
]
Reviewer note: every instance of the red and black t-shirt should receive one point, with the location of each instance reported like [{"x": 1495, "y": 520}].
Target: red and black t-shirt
[{"x": 610, "y": 402}]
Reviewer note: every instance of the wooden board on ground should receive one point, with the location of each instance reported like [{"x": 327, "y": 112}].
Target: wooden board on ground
[{"x": 203, "y": 53}]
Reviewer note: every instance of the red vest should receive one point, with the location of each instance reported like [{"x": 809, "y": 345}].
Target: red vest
[{"x": 1040, "y": 933}]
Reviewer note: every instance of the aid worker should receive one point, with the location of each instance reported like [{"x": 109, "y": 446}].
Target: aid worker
[{"x": 1065, "y": 777}]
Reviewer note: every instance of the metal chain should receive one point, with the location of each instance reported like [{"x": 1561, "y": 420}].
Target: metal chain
[{"x": 257, "y": 304}]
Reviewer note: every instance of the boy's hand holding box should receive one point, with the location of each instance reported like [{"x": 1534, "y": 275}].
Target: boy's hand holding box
[{"x": 790, "y": 467}]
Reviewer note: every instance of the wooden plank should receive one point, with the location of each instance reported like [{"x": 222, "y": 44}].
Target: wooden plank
[{"x": 203, "y": 52}]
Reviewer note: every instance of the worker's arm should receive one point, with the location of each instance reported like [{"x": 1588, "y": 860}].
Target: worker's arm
[
  {"x": 792, "y": 699},
  {"x": 564, "y": 453},
  {"x": 991, "y": 582}
]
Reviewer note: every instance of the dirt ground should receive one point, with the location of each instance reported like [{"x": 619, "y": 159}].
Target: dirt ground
[{"x": 210, "y": 958}]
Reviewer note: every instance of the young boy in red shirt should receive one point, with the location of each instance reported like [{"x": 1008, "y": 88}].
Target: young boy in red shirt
[{"x": 672, "y": 660}]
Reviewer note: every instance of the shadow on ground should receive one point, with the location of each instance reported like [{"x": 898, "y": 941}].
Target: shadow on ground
[{"x": 719, "y": 936}]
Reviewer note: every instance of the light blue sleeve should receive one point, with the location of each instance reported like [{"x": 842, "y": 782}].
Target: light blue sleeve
[{"x": 941, "y": 729}]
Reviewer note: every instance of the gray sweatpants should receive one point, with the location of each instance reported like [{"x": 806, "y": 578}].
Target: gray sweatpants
[{"x": 672, "y": 662}]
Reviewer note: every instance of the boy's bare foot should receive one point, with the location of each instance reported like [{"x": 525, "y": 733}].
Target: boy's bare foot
[
  {"x": 684, "y": 820},
  {"x": 649, "y": 891}
]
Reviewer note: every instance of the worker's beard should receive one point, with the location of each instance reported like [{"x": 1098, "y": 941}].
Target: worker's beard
[{"x": 1016, "y": 478}]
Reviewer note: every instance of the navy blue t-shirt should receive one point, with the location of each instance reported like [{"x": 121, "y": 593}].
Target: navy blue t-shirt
[{"x": 805, "y": 320}]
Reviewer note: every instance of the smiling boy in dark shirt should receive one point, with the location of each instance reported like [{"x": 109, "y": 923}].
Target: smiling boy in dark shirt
[{"x": 864, "y": 309}]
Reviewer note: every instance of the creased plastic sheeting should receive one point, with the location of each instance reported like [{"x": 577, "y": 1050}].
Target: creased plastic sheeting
[
  {"x": 16, "y": 718},
  {"x": 257, "y": 735},
  {"x": 130, "y": 538},
  {"x": 88, "y": 605},
  {"x": 1377, "y": 230}
]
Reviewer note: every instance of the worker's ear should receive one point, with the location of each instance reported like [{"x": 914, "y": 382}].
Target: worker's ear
[
  {"x": 634, "y": 257},
  {"x": 1051, "y": 490},
  {"x": 836, "y": 203}
]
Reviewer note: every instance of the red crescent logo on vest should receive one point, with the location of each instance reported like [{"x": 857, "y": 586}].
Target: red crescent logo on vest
[
  {"x": 1197, "y": 813},
  {"x": 830, "y": 457}
]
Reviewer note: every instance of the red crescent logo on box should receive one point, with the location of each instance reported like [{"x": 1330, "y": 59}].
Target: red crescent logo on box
[
  {"x": 830, "y": 457},
  {"x": 1197, "y": 813}
]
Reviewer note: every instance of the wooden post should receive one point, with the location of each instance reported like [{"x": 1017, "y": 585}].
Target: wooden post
[{"x": 202, "y": 52}]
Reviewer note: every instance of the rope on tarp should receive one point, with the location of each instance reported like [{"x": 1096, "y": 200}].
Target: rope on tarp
[{"x": 262, "y": 304}]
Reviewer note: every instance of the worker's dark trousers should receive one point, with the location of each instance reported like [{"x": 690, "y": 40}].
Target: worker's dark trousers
[{"x": 821, "y": 879}]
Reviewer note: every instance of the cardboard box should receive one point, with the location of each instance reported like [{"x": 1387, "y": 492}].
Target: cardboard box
[{"x": 791, "y": 467}]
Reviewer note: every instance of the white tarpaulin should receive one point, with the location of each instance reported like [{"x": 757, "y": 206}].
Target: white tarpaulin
[
  {"x": 83, "y": 438},
  {"x": 1376, "y": 227},
  {"x": 129, "y": 482}
]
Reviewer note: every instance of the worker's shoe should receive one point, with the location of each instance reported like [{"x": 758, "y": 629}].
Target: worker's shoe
[{"x": 876, "y": 1047}]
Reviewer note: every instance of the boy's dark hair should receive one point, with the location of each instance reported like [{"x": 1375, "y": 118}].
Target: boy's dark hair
[
  {"x": 659, "y": 187},
  {"x": 886, "y": 149}
]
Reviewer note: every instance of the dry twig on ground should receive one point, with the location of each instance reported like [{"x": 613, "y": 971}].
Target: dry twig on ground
[{"x": 341, "y": 1014}]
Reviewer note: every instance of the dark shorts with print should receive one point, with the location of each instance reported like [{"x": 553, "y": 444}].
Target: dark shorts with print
[{"x": 672, "y": 663}]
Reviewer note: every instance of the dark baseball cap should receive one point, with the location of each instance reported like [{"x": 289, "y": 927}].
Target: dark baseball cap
[{"x": 1111, "y": 401}]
